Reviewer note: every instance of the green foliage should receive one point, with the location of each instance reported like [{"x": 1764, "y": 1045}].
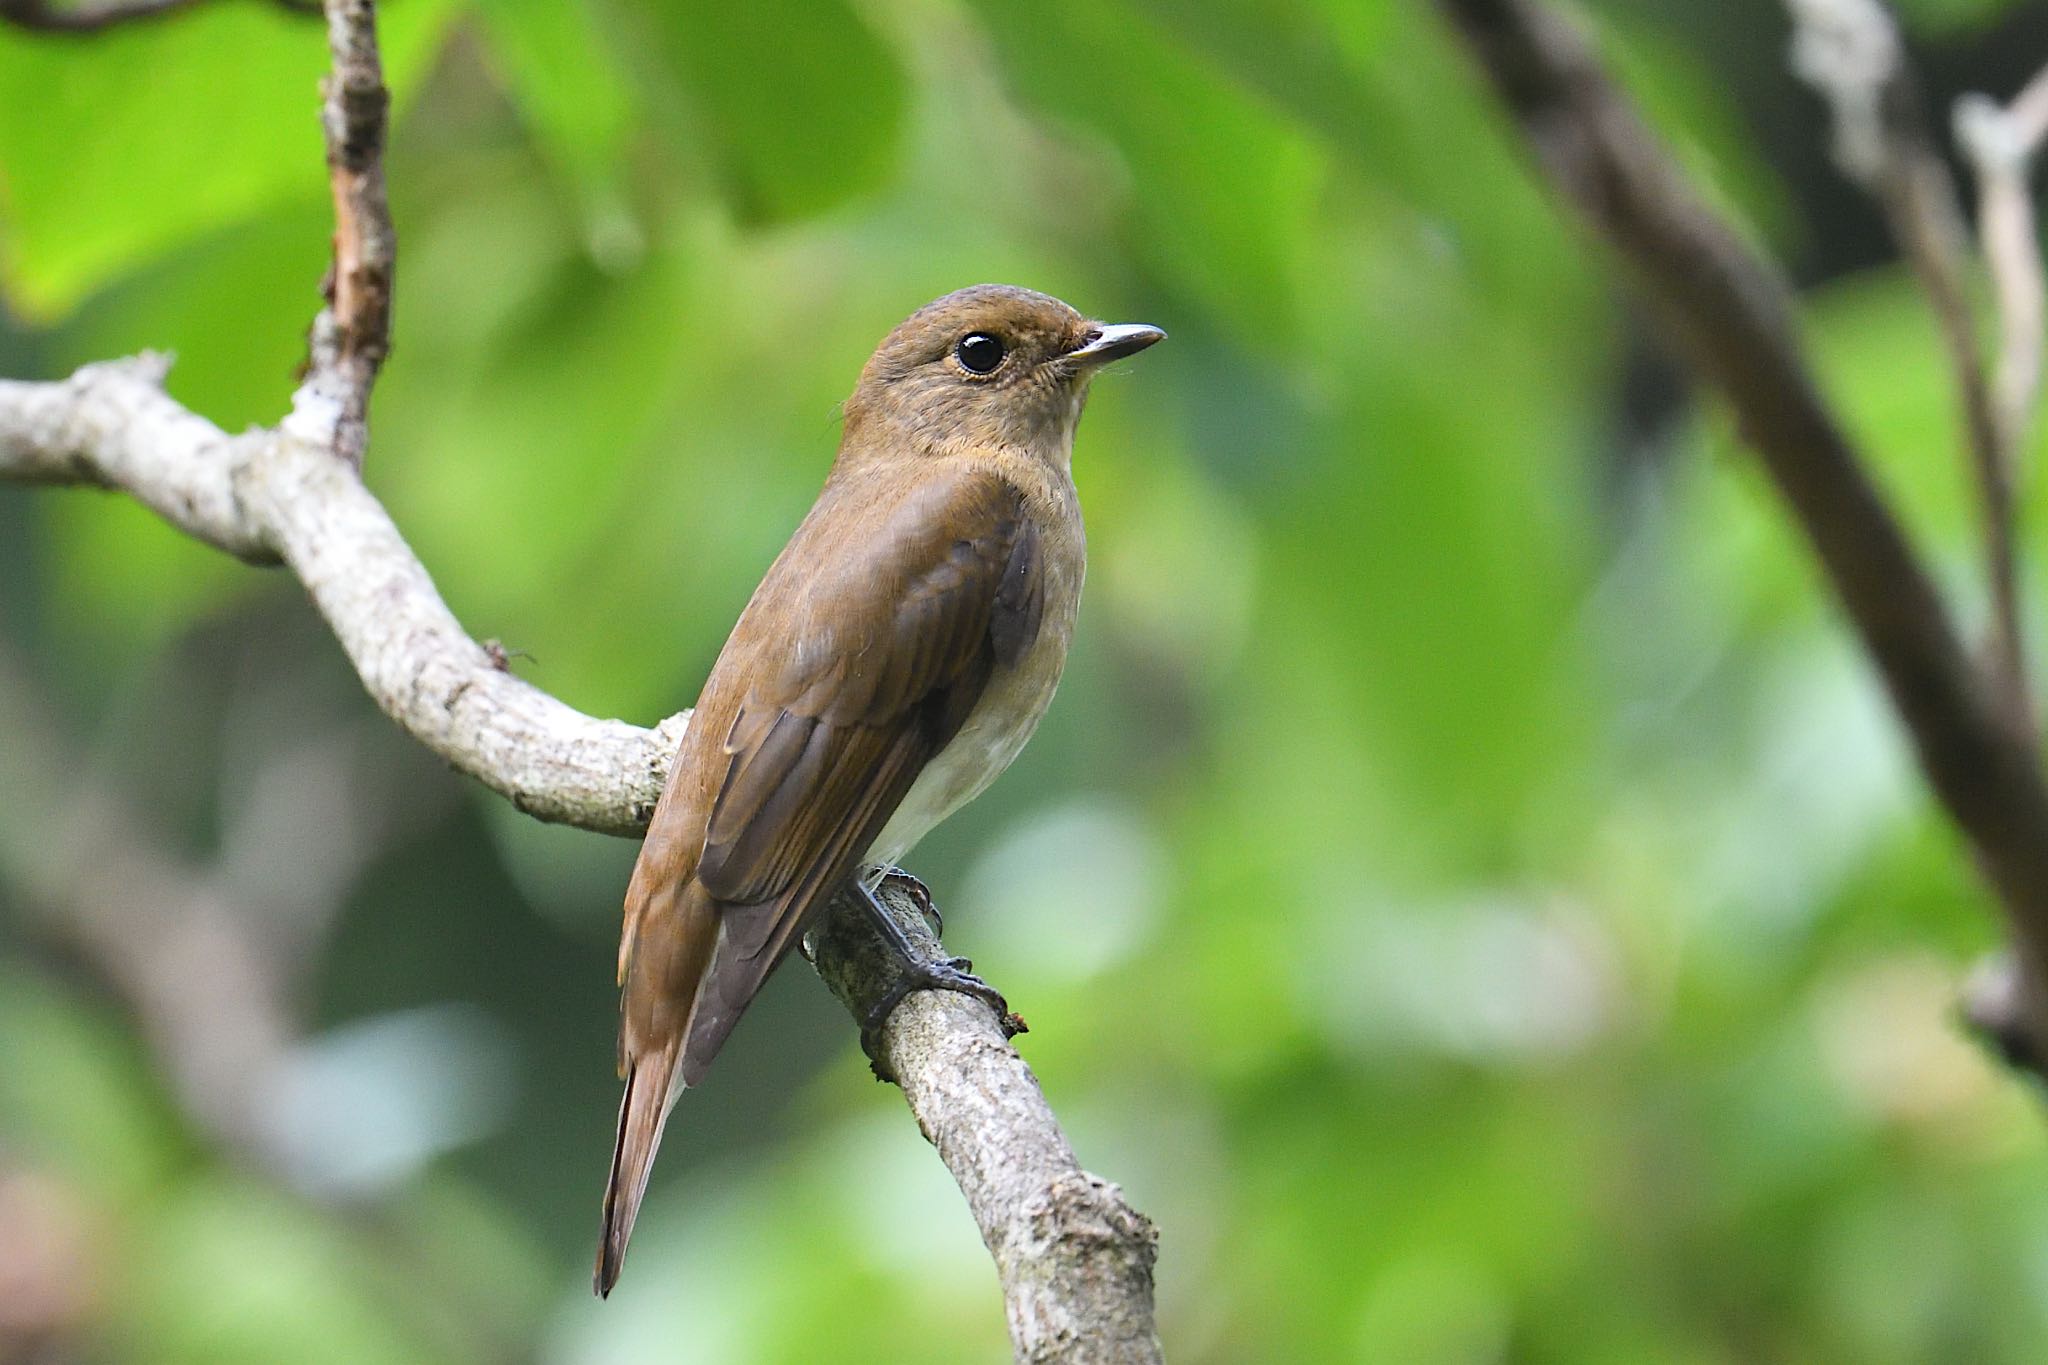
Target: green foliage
[
  {"x": 801, "y": 100},
  {"x": 1469, "y": 892},
  {"x": 556, "y": 62},
  {"x": 1940, "y": 16},
  {"x": 136, "y": 142}
]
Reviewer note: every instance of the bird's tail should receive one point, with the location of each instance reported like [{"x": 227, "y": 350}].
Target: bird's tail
[{"x": 650, "y": 1093}]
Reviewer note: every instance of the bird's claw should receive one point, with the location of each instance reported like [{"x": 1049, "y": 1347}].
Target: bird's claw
[
  {"x": 946, "y": 974},
  {"x": 920, "y": 896}
]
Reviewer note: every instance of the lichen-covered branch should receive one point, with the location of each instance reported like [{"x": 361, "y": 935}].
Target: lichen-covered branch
[
  {"x": 1731, "y": 313},
  {"x": 271, "y": 496},
  {"x": 1074, "y": 1258}
]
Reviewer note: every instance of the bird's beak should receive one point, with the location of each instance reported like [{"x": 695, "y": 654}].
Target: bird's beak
[{"x": 1109, "y": 341}]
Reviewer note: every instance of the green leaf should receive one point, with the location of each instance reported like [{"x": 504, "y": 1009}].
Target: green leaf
[
  {"x": 1880, "y": 355},
  {"x": 1951, "y": 16},
  {"x": 803, "y": 102},
  {"x": 149, "y": 134},
  {"x": 79, "y": 1098},
  {"x": 228, "y": 1272},
  {"x": 563, "y": 72},
  {"x": 232, "y": 306}
]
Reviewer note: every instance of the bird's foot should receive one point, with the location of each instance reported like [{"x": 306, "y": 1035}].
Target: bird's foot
[
  {"x": 920, "y": 896},
  {"x": 944, "y": 974},
  {"x": 917, "y": 972}
]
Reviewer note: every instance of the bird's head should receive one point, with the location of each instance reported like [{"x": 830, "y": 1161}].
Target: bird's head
[{"x": 989, "y": 365}]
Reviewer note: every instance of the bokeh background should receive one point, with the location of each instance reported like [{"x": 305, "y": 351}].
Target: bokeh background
[{"x": 1469, "y": 891}]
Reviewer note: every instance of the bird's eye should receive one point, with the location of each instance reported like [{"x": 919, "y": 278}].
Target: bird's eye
[{"x": 979, "y": 352}]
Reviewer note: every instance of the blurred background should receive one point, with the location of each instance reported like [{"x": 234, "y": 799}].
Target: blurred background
[{"x": 1469, "y": 891}]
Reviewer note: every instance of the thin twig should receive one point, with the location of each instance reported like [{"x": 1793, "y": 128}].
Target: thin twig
[
  {"x": 1731, "y": 313},
  {"x": 44, "y": 17},
  {"x": 352, "y": 335},
  {"x": 1851, "y": 52},
  {"x": 2001, "y": 145},
  {"x": 2005, "y": 226}
]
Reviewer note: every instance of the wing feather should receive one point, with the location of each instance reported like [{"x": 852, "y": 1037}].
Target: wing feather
[{"x": 838, "y": 724}]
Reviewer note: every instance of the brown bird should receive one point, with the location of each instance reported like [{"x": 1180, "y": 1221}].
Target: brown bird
[{"x": 898, "y": 654}]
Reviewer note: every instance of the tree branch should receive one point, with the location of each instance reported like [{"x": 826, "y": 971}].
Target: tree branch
[
  {"x": 353, "y": 335},
  {"x": 273, "y": 496},
  {"x": 1851, "y": 52},
  {"x": 2001, "y": 144},
  {"x": 1731, "y": 313},
  {"x": 44, "y": 17},
  {"x": 2005, "y": 226},
  {"x": 1075, "y": 1259}
]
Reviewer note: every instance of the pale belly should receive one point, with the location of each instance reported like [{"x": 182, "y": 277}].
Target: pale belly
[{"x": 994, "y": 733}]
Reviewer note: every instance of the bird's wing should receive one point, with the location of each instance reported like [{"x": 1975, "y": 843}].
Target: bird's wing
[
  {"x": 888, "y": 652},
  {"x": 894, "y": 653}
]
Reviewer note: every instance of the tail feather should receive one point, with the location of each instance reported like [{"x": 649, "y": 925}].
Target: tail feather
[
  {"x": 671, "y": 942},
  {"x": 643, "y": 1111}
]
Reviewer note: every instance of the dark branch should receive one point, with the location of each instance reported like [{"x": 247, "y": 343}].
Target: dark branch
[
  {"x": 1731, "y": 313},
  {"x": 44, "y": 17}
]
